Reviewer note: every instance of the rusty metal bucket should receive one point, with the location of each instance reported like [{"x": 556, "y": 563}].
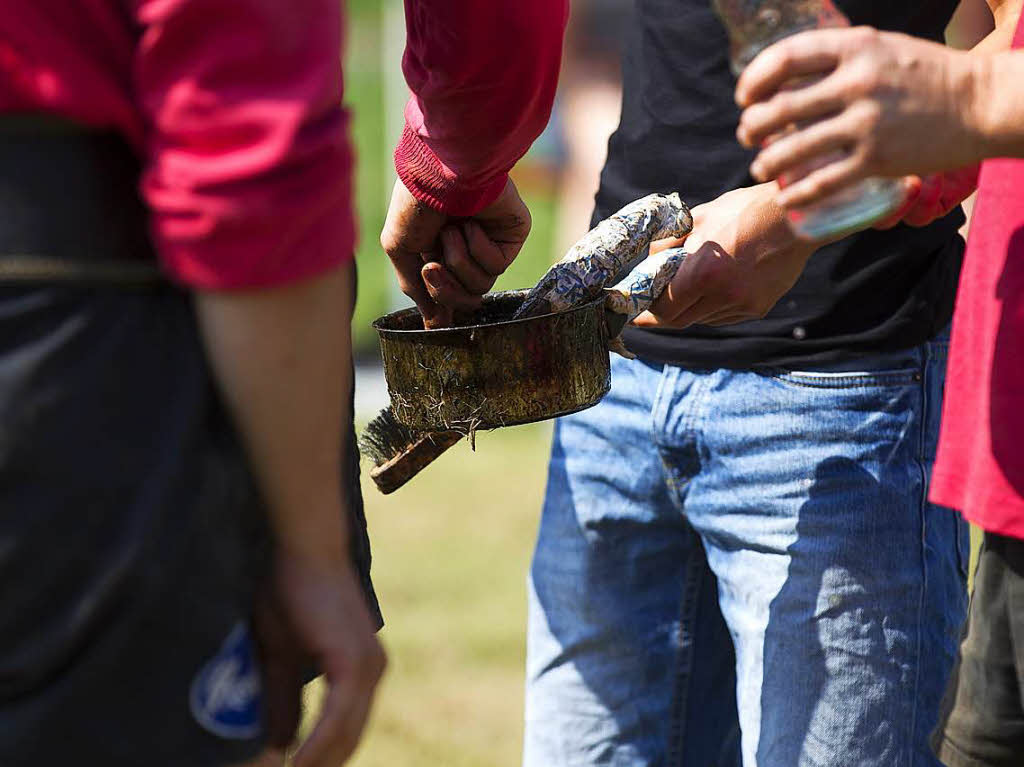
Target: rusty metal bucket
[{"x": 491, "y": 371}]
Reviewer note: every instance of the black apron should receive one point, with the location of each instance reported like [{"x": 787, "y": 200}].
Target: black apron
[{"x": 132, "y": 537}]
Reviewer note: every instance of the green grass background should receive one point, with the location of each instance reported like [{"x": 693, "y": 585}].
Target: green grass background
[{"x": 450, "y": 560}]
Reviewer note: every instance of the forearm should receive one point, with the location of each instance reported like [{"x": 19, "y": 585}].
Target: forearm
[
  {"x": 1005, "y": 13},
  {"x": 483, "y": 79},
  {"x": 998, "y": 98},
  {"x": 993, "y": 86},
  {"x": 282, "y": 358}
]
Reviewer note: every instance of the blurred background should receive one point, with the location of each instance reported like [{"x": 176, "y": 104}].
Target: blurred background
[{"x": 451, "y": 549}]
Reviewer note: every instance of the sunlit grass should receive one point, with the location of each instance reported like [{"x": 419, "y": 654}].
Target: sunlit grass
[{"x": 451, "y": 551}]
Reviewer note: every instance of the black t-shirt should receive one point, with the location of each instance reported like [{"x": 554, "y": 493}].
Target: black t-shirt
[{"x": 869, "y": 292}]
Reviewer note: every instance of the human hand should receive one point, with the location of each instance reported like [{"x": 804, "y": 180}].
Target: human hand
[
  {"x": 874, "y": 104},
  {"x": 317, "y": 610},
  {"x": 445, "y": 264},
  {"x": 743, "y": 257}
]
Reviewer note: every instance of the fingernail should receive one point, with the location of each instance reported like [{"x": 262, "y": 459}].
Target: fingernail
[
  {"x": 757, "y": 170},
  {"x": 433, "y": 278}
]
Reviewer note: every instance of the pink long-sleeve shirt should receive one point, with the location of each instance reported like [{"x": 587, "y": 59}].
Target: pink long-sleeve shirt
[{"x": 235, "y": 109}]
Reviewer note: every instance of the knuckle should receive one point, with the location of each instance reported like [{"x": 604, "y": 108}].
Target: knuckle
[
  {"x": 870, "y": 114},
  {"x": 783, "y": 59},
  {"x": 771, "y": 113},
  {"x": 389, "y": 242},
  {"x": 863, "y": 34},
  {"x": 850, "y": 81},
  {"x": 526, "y": 219},
  {"x": 866, "y": 79},
  {"x": 769, "y": 160},
  {"x": 815, "y": 186}
]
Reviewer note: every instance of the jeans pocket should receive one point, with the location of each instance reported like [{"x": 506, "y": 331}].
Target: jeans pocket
[{"x": 849, "y": 380}]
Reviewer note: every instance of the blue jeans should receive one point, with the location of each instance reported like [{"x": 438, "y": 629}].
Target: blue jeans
[{"x": 742, "y": 568}]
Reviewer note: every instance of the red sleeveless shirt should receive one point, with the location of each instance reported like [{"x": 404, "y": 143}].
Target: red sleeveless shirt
[{"x": 980, "y": 463}]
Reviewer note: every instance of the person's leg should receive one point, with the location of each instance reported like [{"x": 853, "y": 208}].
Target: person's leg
[
  {"x": 629, "y": 662},
  {"x": 843, "y": 589},
  {"x": 982, "y": 722}
]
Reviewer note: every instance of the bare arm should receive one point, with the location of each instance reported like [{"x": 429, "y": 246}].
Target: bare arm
[
  {"x": 971, "y": 23},
  {"x": 282, "y": 359},
  {"x": 1000, "y": 91}
]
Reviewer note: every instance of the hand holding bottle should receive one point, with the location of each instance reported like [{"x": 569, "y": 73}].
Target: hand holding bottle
[{"x": 756, "y": 25}]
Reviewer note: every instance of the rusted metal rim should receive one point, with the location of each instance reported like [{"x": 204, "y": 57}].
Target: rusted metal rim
[{"x": 385, "y": 324}]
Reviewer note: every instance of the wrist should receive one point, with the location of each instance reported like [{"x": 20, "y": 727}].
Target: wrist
[
  {"x": 314, "y": 528},
  {"x": 432, "y": 183},
  {"x": 328, "y": 548},
  {"x": 977, "y": 93}
]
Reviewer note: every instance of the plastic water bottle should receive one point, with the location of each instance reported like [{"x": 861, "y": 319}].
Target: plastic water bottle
[{"x": 754, "y": 25}]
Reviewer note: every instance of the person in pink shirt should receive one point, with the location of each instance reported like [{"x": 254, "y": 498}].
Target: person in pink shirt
[
  {"x": 897, "y": 106},
  {"x": 181, "y": 534}
]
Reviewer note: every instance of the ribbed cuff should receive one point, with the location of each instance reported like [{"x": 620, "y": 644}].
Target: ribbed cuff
[{"x": 430, "y": 182}]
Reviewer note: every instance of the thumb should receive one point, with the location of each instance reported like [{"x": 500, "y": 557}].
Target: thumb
[
  {"x": 410, "y": 238},
  {"x": 411, "y": 224},
  {"x": 669, "y": 242}
]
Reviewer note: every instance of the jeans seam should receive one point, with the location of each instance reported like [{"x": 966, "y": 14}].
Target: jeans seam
[
  {"x": 698, "y": 415},
  {"x": 685, "y": 652},
  {"x": 922, "y": 436},
  {"x": 658, "y": 404}
]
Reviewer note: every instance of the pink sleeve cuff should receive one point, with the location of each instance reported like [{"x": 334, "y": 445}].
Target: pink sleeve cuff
[{"x": 431, "y": 182}]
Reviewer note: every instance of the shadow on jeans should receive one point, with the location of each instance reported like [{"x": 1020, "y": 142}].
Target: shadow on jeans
[{"x": 833, "y": 600}]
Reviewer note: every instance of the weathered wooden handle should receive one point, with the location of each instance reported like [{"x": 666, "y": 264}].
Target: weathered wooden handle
[{"x": 421, "y": 453}]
